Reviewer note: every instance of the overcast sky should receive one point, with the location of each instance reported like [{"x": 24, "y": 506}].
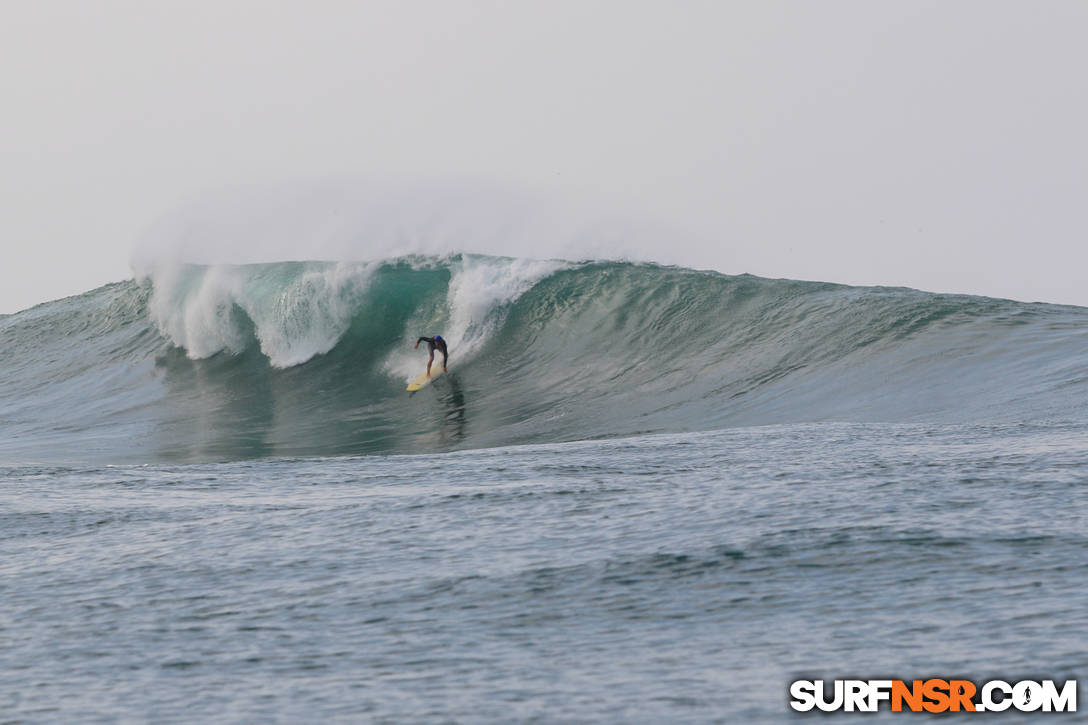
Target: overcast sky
[{"x": 938, "y": 145}]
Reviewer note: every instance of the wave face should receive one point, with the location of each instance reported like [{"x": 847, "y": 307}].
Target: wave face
[{"x": 310, "y": 358}]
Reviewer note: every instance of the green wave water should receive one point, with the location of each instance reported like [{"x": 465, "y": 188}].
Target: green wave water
[{"x": 224, "y": 362}]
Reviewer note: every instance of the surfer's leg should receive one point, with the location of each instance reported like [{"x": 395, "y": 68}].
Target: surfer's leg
[{"x": 429, "y": 361}]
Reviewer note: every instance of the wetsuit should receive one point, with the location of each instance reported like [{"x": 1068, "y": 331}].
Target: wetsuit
[{"x": 432, "y": 343}]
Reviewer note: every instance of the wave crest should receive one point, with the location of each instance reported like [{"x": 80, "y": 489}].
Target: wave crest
[
  {"x": 309, "y": 358},
  {"x": 293, "y": 310}
]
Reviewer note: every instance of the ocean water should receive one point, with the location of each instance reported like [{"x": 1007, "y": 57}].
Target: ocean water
[{"x": 643, "y": 494}]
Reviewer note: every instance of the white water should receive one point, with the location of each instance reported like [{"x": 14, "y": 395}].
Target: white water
[
  {"x": 293, "y": 318},
  {"x": 479, "y": 294},
  {"x": 299, "y": 311}
]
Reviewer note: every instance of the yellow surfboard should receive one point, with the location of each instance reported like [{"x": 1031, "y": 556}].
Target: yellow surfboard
[{"x": 423, "y": 379}]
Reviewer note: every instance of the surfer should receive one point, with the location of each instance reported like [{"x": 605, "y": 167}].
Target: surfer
[{"x": 432, "y": 343}]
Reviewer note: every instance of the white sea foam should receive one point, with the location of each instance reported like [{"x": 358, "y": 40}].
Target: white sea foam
[
  {"x": 295, "y": 312},
  {"x": 357, "y": 224},
  {"x": 480, "y": 292}
]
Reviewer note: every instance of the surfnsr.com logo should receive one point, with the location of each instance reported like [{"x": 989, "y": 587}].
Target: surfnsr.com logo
[{"x": 933, "y": 695}]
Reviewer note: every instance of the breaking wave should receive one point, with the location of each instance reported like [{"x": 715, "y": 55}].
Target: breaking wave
[{"x": 212, "y": 362}]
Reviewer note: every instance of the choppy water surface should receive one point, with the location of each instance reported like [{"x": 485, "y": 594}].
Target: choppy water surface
[{"x": 674, "y": 578}]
